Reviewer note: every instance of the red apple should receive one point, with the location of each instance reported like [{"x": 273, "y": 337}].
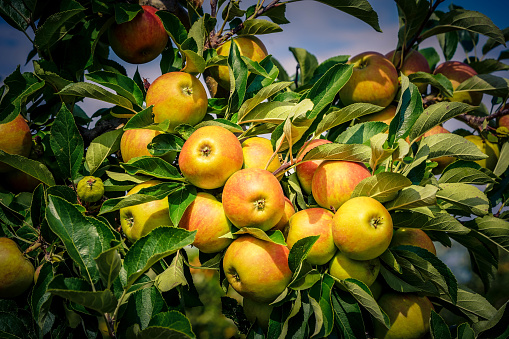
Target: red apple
[
  {"x": 206, "y": 215},
  {"x": 257, "y": 269},
  {"x": 257, "y": 152},
  {"x": 283, "y": 224},
  {"x": 16, "y": 139},
  {"x": 413, "y": 237},
  {"x": 457, "y": 72},
  {"x": 313, "y": 221},
  {"x": 306, "y": 169},
  {"x": 341, "y": 267},
  {"x": 362, "y": 228},
  {"x": 178, "y": 97},
  {"x": 210, "y": 156},
  {"x": 334, "y": 182},
  {"x": 414, "y": 62},
  {"x": 374, "y": 80},
  {"x": 140, "y": 40},
  {"x": 134, "y": 144},
  {"x": 253, "y": 197}
]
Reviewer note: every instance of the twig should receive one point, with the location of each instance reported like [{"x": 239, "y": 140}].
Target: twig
[
  {"x": 477, "y": 122},
  {"x": 100, "y": 128}
]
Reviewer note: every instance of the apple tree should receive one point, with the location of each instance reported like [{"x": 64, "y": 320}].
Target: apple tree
[{"x": 100, "y": 212}]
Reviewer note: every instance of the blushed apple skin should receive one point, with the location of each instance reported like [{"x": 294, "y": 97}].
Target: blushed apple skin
[
  {"x": 210, "y": 156},
  {"x": 138, "y": 220},
  {"x": 17, "y": 273},
  {"x": 408, "y": 313},
  {"x": 386, "y": 115},
  {"x": 413, "y": 237},
  {"x": 374, "y": 80},
  {"x": 134, "y": 144},
  {"x": 16, "y": 139},
  {"x": 283, "y": 224},
  {"x": 342, "y": 267},
  {"x": 306, "y": 169},
  {"x": 140, "y": 40},
  {"x": 257, "y": 152},
  {"x": 206, "y": 215},
  {"x": 487, "y": 148},
  {"x": 334, "y": 181},
  {"x": 253, "y": 197},
  {"x": 362, "y": 228},
  {"x": 414, "y": 62},
  {"x": 272, "y": 273},
  {"x": 457, "y": 72},
  {"x": 179, "y": 97},
  {"x": 313, "y": 221}
]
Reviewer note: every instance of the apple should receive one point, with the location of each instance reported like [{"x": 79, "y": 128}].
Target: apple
[
  {"x": 140, "y": 40},
  {"x": 386, "y": 115},
  {"x": 487, "y": 148},
  {"x": 178, "y": 97},
  {"x": 138, "y": 220},
  {"x": 257, "y": 312},
  {"x": 313, "y": 221},
  {"x": 374, "y": 80},
  {"x": 442, "y": 161},
  {"x": 503, "y": 121},
  {"x": 341, "y": 267},
  {"x": 90, "y": 189},
  {"x": 253, "y": 197},
  {"x": 257, "y": 152},
  {"x": 206, "y": 215},
  {"x": 457, "y": 72},
  {"x": 257, "y": 269},
  {"x": 334, "y": 182},
  {"x": 408, "y": 313},
  {"x": 362, "y": 228},
  {"x": 17, "y": 272},
  {"x": 18, "y": 181},
  {"x": 283, "y": 223},
  {"x": 413, "y": 237},
  {"x": 305, "y": 170},
  {"x": 16, "y": 139},
  {"x": 414, "y": 62},
  {"x": 134, "y": 144},
  {"x": 210, "y": 156},
  {"x": 249, "y": 46}
]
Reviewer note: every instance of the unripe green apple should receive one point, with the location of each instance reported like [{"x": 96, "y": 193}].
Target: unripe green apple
[
  {"x": 306, "y": 170},
  {"x": 342, "y": 267},
  {"x": 457, "y": 72},
  {"x": 134, "y": 144},
  {"x": 90, "y": 189},
  {"x": 16, "y": 139},
  {"x": 413, "y": 237},
  {"x": 362, "y": 228},
  {"x": 210, "y": 156},
  {"x": 488, "y": 148},
  {"x": 17, "y": 273}
]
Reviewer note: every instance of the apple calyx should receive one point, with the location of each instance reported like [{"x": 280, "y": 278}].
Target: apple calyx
[
  {"x": 375, "y": 222},
  {"x": 206, "y": 150},
  {"x": 260, "y": 204},
  {"x": 187, "y": 90}
]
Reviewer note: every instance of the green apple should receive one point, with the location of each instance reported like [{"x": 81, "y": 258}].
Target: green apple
[
  {"x": 374, "y": 80},
  {"x": 487, "y": 148},
  {"x": 362, "y": 228},
  {"x": 413, "y": 237},
  {"x": 253, "y": 197},
  {"x": 334, "y": 182},
  {"x": 408, "y": 313},
  {"x": 134, "y": 144},
  {"x": 457, "y": 72},
  {"x": 257, "y": 269},
  {"x": 140, "y": 40},
  {"x": 210, "y": 156},
  {"x": 16, "y": 139},
  {"x": 17, "y": 272},
  {"x": 306, "y": 170},
  {"x": 313, "y": 221},
  {"x": 414, "y": 62},
  {"x": 342, "y": 267},
  {"x": 206, "y": 215},
  {"x": 257, "y": 152},
  {"x": 90, "y": 189},
  {"x": 138, "y": 220},
  {"x": 257, "y": 312},
  {"x": 178, "y": 97}
]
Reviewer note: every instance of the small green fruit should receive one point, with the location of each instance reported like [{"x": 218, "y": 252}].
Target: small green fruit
[{"x": 90, "y": 189}]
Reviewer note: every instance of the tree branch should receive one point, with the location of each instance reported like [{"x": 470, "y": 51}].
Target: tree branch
[{"x": 477, "y": 122}]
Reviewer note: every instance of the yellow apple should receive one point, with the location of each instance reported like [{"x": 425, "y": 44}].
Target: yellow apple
[
  {"x": 17, "y": 273},
  {"x": 134, "y": 144},
  {"x": 488, "y": 148},
  {"x": 457, "y": 72},
  {"x": 257, "y": 152},
  {"x": 283, "y": 224},
  {"x": 16, "y": 139},
  {"x": 342, "y": 267},
  {"x": 413, "y": 237}
]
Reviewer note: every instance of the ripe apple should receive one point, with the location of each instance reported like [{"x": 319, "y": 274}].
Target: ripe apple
[
  {"x": 206, "y": 215},
  {"x": 414, "y": 62},
  {"x": 342, "y": 267},
  {"x": 138, "y": 220},
  {"x": 253, "y": 197},
  {"x": 386, "y": 115},
  {"x": 334, "y": 182},
  {"x": 503, "y": 121},
  {"x": 306, "y": 169},
  {"x": 249, "y": 46},
  {"x": 487, "y": 148},
  {"x": 17, "y": 181},
  {"x": 16, "y": 139},
  {"x": 313, "y": 221},
  {"x": 210, "y": 156},
  {"x": 257, "y": 312},
  {"x": 283, "y": 224},
  {"x": 457, "y": 72},
  {"x": 134, "y": 144},
  {"x": 374, "y": 80},
  {"x": 408, "y": 313},
  {"x": 442, "y": 161},
  {"x": 362, "y": 228},
  {"x": 140, "y": 40},
  {"x": 257, "y": 152},
  {"x": 179, "y": 97},
  {"x": 257, "y": 269},
  {"x": 17, "y": 272},
  {"x": 413, "y": 237}
]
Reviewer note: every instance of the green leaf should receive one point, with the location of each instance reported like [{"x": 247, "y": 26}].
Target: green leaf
[
  {"x": 470, "y": 304},
  {"x": 155, "y": 167},
  {"x": 412, "y": 14},
  {"x": 89, "y": 90},
  {"x": 495, "y": 327},
  {"x": 491, "y": 43},
  {"x": 488, "y": 66},
  {"x": 126, "y": 12},
  {"x": 273, "y": 112},
  {"x": 232, "y": 127},
  {"x": 14, "y": 13},
  {"x": 259, "y": 26},
  {"x": 449, "y": 144},
  {"x": 299, "y": 251},
  {"x": 353, "y": 152},
  {"x": 325, "y": 303},
  {"x": 48, "y": 72},
  {"x": 144, "y": 119},
  {"x": 271, "y": 236},
  {"x": 11, "y": 326},
  {"x": 56, "y": 26},
  {"x": 413, "y": 196},
  {"x": 40, "y": 299},
  {"x": 439, "y": 81},
  {"x": 442, "y": 222},
  {"x": 158, "y": 244},
  {"x": 465, "y": 332},
  {"x": 449, "y": 43},
  {"x": 121, "y": 84},
  {"x": 102, "y": 147},
  {"x": 83, "y": 237},
  {"x": 494, "y": 229},
  {"x": 465, "y": 196},
  {"x": 238, "y": 79},
  {"x": 173, "y": 27},
  {"x": 163, "y": 144},
  {"x": 347, "y": 315},
  {"x": 307, "y": 63},
  {"x": 179, "y": 200},
  {"x": 337, "y": 117},
  {"x": 379, "y": 150},
  {"x": 168, "y": 325},
  {"x": 29, "y": 166},
  {"x": 382, "y": 186},
  {"x": 503, "y": 160},
  {"x": 438, "y": 327},
  {"x": 109, "y": 263},
  {"x": 408, "y": 111},
  {"x": 361, "y": 133},
  {"x": 261, "y": 96},
  {"x": 361, "y": 9},
  {"x": 485, "y": 83},
  {"x": 79, "y": 291},
  {"x": 173, "y": 276}
]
